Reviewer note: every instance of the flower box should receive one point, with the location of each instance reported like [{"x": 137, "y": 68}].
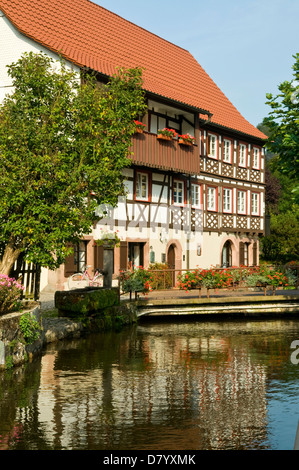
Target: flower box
[
  {"x": 186, "y": 139},
  {"x": 184, "y": 142},
  {"x": 139, "y": 127},
  {"x": 166, "y": 134},
  {"x": 164, "y": 137}
]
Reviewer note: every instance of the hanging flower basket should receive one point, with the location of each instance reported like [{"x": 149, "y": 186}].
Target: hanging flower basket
[
  {"x": 186, "y": 139},
  {"x": 166, "y": 134},
  {"x": 139, "y": 127},
  {"x": 108, "y": 240}
]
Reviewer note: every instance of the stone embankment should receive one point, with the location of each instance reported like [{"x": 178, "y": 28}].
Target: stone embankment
[{"x": 78, "y": 313}]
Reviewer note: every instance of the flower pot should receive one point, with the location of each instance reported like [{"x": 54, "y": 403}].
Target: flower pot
[
  {"x": 185, "y": 142},
  {"x": 164, "y": 137},
  {"x": 138, "y": 130}
]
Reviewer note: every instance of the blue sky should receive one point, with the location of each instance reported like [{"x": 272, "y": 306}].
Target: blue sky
[{"x": 246, "y": 46}]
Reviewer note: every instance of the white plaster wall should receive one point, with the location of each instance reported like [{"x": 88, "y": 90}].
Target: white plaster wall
[{"x": 12, "y": 45}]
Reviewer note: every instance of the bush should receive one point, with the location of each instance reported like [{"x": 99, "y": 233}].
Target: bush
[
  {"x": 10, "y": 292},
  {"x": 159, "y": 280},
  {"x": 135, "y": 281}
]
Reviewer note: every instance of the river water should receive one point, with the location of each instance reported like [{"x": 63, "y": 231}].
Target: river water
[{"x": 160, "y": 385}]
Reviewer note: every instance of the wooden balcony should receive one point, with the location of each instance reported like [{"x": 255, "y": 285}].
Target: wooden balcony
[{"x": 165, "y": 155}]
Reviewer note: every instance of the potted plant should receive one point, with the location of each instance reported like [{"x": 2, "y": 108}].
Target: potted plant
[
  {"x": 139, "y": 127},
  {"x": 186, "y": 139},
  {"x": 108, "y": 240},
  {"x": 166, "y": 134}
]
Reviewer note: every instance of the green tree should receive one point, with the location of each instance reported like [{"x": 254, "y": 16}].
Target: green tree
[
  {"x": 283, "y": 125},
  {"x": 282, "y": 244},
  {"x": 63, "y": 144}
]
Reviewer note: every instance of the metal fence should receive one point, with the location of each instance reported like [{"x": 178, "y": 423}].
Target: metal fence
[{"x": 170, "y": 279}]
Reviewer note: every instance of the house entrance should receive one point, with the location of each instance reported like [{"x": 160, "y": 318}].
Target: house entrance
[
  {"x": 226, "y": 256},
  {"x": 136, "y": 254},
  {"x": 171, "y": 262}
]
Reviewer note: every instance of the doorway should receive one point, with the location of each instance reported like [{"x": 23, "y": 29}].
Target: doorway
[
  {"x": 226, "y": 257},
  {"x": 136, "y": 254},
  {"x": 171, "y": 262}
]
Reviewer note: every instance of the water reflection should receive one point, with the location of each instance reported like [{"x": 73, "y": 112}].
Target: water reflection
[{"x": 181, "y": 386}]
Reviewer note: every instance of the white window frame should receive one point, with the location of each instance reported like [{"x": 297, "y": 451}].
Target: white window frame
[
  {"x": 213, "y": 142},
  {"x": 227, "y": 151},
  {"x": 139, "y": 185},
  {"x": 239, "y": 209},
  {"x": 227, "y": 200},
  {"x": 195, "y": 195},
  {"x": 255, "y": 203},
  {"x": 242, "y": 148},
  {"x": 212, "y": 198},
  {"x": 176, "y": 185},
  {"x": 256, "y": 158}
]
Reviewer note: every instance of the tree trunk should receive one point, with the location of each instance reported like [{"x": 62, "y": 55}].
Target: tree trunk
[{"x": 9, "y": 257}]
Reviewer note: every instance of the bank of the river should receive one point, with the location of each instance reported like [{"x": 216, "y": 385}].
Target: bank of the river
[
  {"x": 25, "y": 334},
  {"x": 108, "y": 313}
]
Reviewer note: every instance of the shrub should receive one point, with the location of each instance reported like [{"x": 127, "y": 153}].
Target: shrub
[
  {"x": 159, "y": 280},
  {"x": 10, "y": 292},
  {"x": 136, "y": 281},
  {"x": 30, "y": 327}
]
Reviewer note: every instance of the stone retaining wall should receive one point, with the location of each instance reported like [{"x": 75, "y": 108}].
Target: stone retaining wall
[{"x": 79, "y": 313}]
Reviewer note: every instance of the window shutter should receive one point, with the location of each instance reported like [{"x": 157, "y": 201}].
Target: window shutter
[
  {"x": 241, "y": 253},
  {"x": 98, "y": 257},
  {"x": 69, "y": 265},
  {"x": 123, "y": 256}
]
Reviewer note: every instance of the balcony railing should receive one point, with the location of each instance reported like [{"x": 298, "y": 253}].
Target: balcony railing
[{"x": 165, "y": 155}]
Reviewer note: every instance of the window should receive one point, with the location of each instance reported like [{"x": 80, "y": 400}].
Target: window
[
  {"x": 227, "y": 200},
  {"x": 142, "y": 192},
  {"x": 241, "y": 202},
  {"x": 212, "y": 146},
  {"x": 195, "y": 195},
  {"x": 159, "y": 121},
  {"x": 80, "y": 255},
  {"x": 256, "y": 158},
  {"x": 178, "y": 192},
  {"x": 242, "y": 155},
  {"x": 227, "y": 155},
  {"x": 212, "y": 199},
  {"x": 255, "y": 204}
]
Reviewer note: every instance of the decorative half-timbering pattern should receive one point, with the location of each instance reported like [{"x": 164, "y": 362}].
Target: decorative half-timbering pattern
[
  {"x": 255, "y": 223},
  {"x": 242, "y": 222},
  {"x": 227, "y": 221},
  {"x": 241, "y": 173},
  {"x": 255, "y": 176},
  {"x": 227, "y": 170},
  {"x": 212, "y": 221},
  {"x": 212, "y": 166},
  {"x": 196, "y": 220}
]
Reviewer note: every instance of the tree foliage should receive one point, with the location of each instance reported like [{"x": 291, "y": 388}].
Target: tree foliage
[
  {"x": 283, "y": 125},
  {"x": 63, "y": 144}
]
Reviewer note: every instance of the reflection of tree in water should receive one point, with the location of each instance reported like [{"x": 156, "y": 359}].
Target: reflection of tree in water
[{"x": 19, "y": 413}]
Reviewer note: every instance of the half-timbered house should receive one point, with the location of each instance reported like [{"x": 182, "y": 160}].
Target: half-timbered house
[{"x": 187, "y": 205}]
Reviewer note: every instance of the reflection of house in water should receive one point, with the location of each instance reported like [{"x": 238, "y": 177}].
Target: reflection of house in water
[{"x": 172, "y": 391}]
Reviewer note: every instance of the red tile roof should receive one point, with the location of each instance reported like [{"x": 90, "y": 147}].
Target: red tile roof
[{"x": 91, "y": 36}]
